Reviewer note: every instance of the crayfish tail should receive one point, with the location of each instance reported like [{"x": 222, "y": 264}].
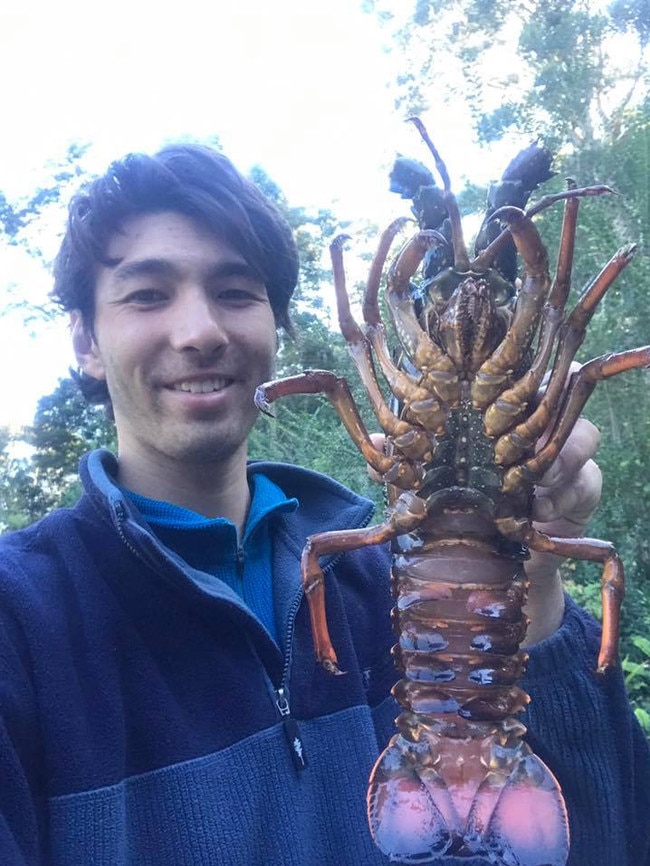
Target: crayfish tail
[
  {"x": 408, "y": 817},
  {"x": 528, "y": 825},
  {"x": 500, "y": 804}
]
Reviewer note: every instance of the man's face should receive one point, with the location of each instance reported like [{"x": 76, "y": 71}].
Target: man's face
[{"x": 183, "y": 334}]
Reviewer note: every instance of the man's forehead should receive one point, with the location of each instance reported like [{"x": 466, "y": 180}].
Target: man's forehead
[{"x": 167, "y": 235}]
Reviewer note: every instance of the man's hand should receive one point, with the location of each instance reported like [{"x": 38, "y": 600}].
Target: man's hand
[
  {"x": 569, "y": 493},
  {"x": 565, "y": 500}
]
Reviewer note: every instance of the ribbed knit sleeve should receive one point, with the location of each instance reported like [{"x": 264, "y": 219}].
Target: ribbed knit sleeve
[
  {"x": 18, "y": 828},
  {"x": 580, "y": 723},
  {"x": 18, "y": 756}
]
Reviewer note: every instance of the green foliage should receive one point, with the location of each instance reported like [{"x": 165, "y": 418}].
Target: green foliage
[
  {"x": 306, "y": 429},
  {"x": 314, "y": 438},
  {"x": 636, "y": 667},
  {"x": 632, "y": 15},
  {"x": 65, "y": 427},
  {"x": 17, "y": 216},
  {"x": 21, "y": 499},
  {"x": 560, "y": 69},
  {"x": 561, "y": 42}
]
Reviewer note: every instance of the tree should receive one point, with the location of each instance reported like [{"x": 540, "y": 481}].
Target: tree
[
  {"x": 559, "y": 69},
  {"x": 306, "y": 429},
  {"x": 64, "y": 428},
  {"x": 16, "y": 217},
  {"x": 21, "y": 500}
]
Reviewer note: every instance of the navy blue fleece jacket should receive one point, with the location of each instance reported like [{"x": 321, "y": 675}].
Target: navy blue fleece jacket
[{"x": 144, "y": 708}]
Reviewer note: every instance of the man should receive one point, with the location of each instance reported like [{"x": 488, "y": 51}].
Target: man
[{"x": 159, "y": 698}]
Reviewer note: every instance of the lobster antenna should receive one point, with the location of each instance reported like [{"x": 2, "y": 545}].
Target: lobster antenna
[{"x": 461, "y": 258}]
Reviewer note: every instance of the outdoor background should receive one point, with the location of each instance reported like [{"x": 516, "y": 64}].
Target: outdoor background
[{"x": 310, "y": 100}]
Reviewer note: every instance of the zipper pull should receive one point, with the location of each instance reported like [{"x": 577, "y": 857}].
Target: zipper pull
[
  {"x": 291, "y": 732},
  {"x": 240, "y": 558}
]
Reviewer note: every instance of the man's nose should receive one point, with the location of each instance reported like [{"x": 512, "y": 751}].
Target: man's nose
[{"x": 196, "y": 325}]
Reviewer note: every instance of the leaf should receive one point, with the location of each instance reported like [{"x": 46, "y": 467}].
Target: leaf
[
  {"x": 642, "y": 643},
  {"x": 643, "y": 717}
]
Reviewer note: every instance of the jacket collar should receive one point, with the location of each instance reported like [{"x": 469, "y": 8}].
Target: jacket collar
[{"x": 325, "y": 505}]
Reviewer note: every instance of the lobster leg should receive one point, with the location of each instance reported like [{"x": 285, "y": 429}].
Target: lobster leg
[
  {"x": 510, "y": 447},
  {"x": 394, "y": 470},
  {"x": 421, "y": 407},
  {"x": 509, "y": 406},
  {"x": 508, "y": 356},
  {"x": 489, "y": 254},
  {"x": 412, "y": 441},
  {"x": 408, "y": 513},
  {"x": 411, "y": 334},
  {"x": 371, "y": 314},
  {"x": 438, "y": 372},
  {"x": 612, "y": 581},
  {"x": 581, "y": 385}
]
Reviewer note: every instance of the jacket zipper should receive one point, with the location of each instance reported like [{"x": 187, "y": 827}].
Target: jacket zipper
[
  {"x": 240, "y": 559},
  {"x": 120, "y": 514},
  {"x": 289, "y": 724},
  {"x": 291, "y": 731}
]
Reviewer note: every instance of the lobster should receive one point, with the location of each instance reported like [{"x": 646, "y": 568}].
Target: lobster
[{"x": 463, "y": 454}]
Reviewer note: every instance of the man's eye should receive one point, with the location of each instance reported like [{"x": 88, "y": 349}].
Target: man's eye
[
  {"x": 240, "y": 295},
  {"x": 146, "y": 297}
]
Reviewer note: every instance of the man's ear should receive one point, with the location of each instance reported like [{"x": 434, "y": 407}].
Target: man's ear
[{"x": 85, "y": 348}]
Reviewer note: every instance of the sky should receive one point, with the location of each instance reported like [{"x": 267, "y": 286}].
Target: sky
[{"x": 303, "y": 89}]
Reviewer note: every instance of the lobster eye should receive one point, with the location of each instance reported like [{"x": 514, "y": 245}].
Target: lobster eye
[
  {"x": 501, "y": 289},
  {"x": 443, "y": 285}
]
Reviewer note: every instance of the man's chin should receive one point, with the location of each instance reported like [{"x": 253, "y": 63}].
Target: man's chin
[{"x": 206, "y": 450}]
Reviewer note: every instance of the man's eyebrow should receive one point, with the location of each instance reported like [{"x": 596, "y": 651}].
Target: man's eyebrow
[
  {"x": 155, "y": 267},
  {"x": 234, "y": 269},
  {"x": 141, "y": 268}
]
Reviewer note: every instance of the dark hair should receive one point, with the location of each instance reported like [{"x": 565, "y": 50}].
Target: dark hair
[{"x": 190, "y": 179}]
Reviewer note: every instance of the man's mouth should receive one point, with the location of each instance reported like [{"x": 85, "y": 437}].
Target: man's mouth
[{"x": 206, "y": 386}]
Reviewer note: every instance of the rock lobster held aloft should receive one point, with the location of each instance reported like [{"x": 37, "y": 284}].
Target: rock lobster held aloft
[{"x": 462, "y": 430}]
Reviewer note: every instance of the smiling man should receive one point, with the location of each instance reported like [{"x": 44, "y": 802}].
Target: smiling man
[
  {"x": 183, "y": 332},
  {"x": 159, "y": 698}
]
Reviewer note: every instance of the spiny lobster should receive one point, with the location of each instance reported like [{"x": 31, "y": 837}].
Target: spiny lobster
[{"x": 458, "y": 779}]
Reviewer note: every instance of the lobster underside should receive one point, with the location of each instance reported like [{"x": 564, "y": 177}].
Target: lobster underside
[{"x": 458, "y": 781}]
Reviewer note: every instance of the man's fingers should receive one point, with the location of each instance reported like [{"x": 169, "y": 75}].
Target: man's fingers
[
  {"x": 573, "y": 501},
  {"x": 378, "y": 440},
  {"x": 579, "y": 448}
]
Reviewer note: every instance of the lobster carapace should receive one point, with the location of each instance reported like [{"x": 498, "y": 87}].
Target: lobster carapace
[{"x": 463, "y": 429}]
